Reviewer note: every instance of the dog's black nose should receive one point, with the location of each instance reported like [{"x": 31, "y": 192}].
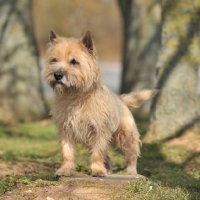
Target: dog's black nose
[{"x": 58, "y": 75}]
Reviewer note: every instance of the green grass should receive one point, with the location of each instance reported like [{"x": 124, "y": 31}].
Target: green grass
[
  {"x": 152, "y": 190},
  {"x": 172, "y": 172},
  {"x": 32, "y": 146},
  {"x": 28, "y": 141}
]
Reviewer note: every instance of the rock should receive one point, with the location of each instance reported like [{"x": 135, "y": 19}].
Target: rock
[{"x": 113, "y": 177}]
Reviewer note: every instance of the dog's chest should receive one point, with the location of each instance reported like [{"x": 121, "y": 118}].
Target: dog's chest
[
  {"x": 87, "y": 121},
  {"x": 82, "y": 126},
  {"x": 77, "y": 123}
]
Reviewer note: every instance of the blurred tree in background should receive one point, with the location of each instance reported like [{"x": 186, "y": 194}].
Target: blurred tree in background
[
  {"x": 175, "y": 108},
  {"x": 21, "y": 96},
  {"x": 74, "y": 18},
  {"x": 142, "y": 36}
]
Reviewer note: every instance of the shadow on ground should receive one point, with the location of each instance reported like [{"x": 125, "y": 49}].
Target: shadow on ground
[{"x": 154, "y": 165}]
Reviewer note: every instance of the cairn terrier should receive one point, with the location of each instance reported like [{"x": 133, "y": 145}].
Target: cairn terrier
[{"x": 86, "y": 111}]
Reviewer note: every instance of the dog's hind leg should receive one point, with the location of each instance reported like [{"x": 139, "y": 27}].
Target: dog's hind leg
[
  {"x": 130, "y": 147},
  {"x": 127, "y": 139}
]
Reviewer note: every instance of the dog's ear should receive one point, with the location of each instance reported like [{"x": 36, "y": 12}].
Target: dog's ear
[
  {"x": 87, "y": 41},
  {"x": 52, "y": 36}
]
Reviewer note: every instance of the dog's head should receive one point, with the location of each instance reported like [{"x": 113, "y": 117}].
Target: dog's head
[{"x": 71, "y": 64}]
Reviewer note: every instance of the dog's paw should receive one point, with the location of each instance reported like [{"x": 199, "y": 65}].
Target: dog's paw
[
  {"x": 131, "y": 170},
  {"x": 99, "y": 174},
  {"x": 63, "y": 171},
  {"x": 98, "y": 171}
]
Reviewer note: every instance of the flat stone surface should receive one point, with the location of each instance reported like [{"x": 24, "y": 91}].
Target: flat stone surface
[
  {"x": 97, "y": 188},
  {"x": 113, "y": 177}
]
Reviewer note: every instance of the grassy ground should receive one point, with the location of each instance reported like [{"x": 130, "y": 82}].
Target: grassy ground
[{"x": 29, "y": 156}]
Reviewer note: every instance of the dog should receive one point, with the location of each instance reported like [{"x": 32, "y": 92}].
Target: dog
[{"x": 85, "y": 110}]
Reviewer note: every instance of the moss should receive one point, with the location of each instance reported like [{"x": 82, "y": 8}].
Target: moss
[{"x": 180, "y": 18}]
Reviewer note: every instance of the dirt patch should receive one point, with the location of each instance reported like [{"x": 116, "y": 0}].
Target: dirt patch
[
  {"x": 71, "y": 188},
  {"x": 11, "y": 169},
  {"x": 190, "y": 141},
  {"x": 61, "y": 192}
]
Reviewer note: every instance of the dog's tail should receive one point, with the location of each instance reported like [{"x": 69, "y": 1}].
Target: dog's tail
[{"x": 136, "y": 99}]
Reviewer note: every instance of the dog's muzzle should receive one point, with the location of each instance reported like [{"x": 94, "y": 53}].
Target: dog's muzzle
[{"x": 58, "y": 75}]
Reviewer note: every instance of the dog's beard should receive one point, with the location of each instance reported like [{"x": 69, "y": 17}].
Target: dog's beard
[
  {"x": 64, "y": 86},
  {"x": 59, "y": 89}
]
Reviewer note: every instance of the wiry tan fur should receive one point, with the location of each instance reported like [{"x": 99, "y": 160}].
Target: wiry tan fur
[{"x": 85, "y": 111}]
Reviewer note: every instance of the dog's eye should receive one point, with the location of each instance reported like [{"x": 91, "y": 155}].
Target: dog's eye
[
  {"x": 74, "y": 62},
  {"x": 53, "y": 60}
]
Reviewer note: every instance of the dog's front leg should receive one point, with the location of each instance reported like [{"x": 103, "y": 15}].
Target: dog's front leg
[
  {"x": 67, "y": 167},
  {"x": 98, "y": 156}
]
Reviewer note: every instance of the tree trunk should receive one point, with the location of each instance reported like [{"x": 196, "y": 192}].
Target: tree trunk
[
  {"x": 21, "y": 96},
  {"x": 142, "y": 35},
  {"x": 175, "y": 108}
]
